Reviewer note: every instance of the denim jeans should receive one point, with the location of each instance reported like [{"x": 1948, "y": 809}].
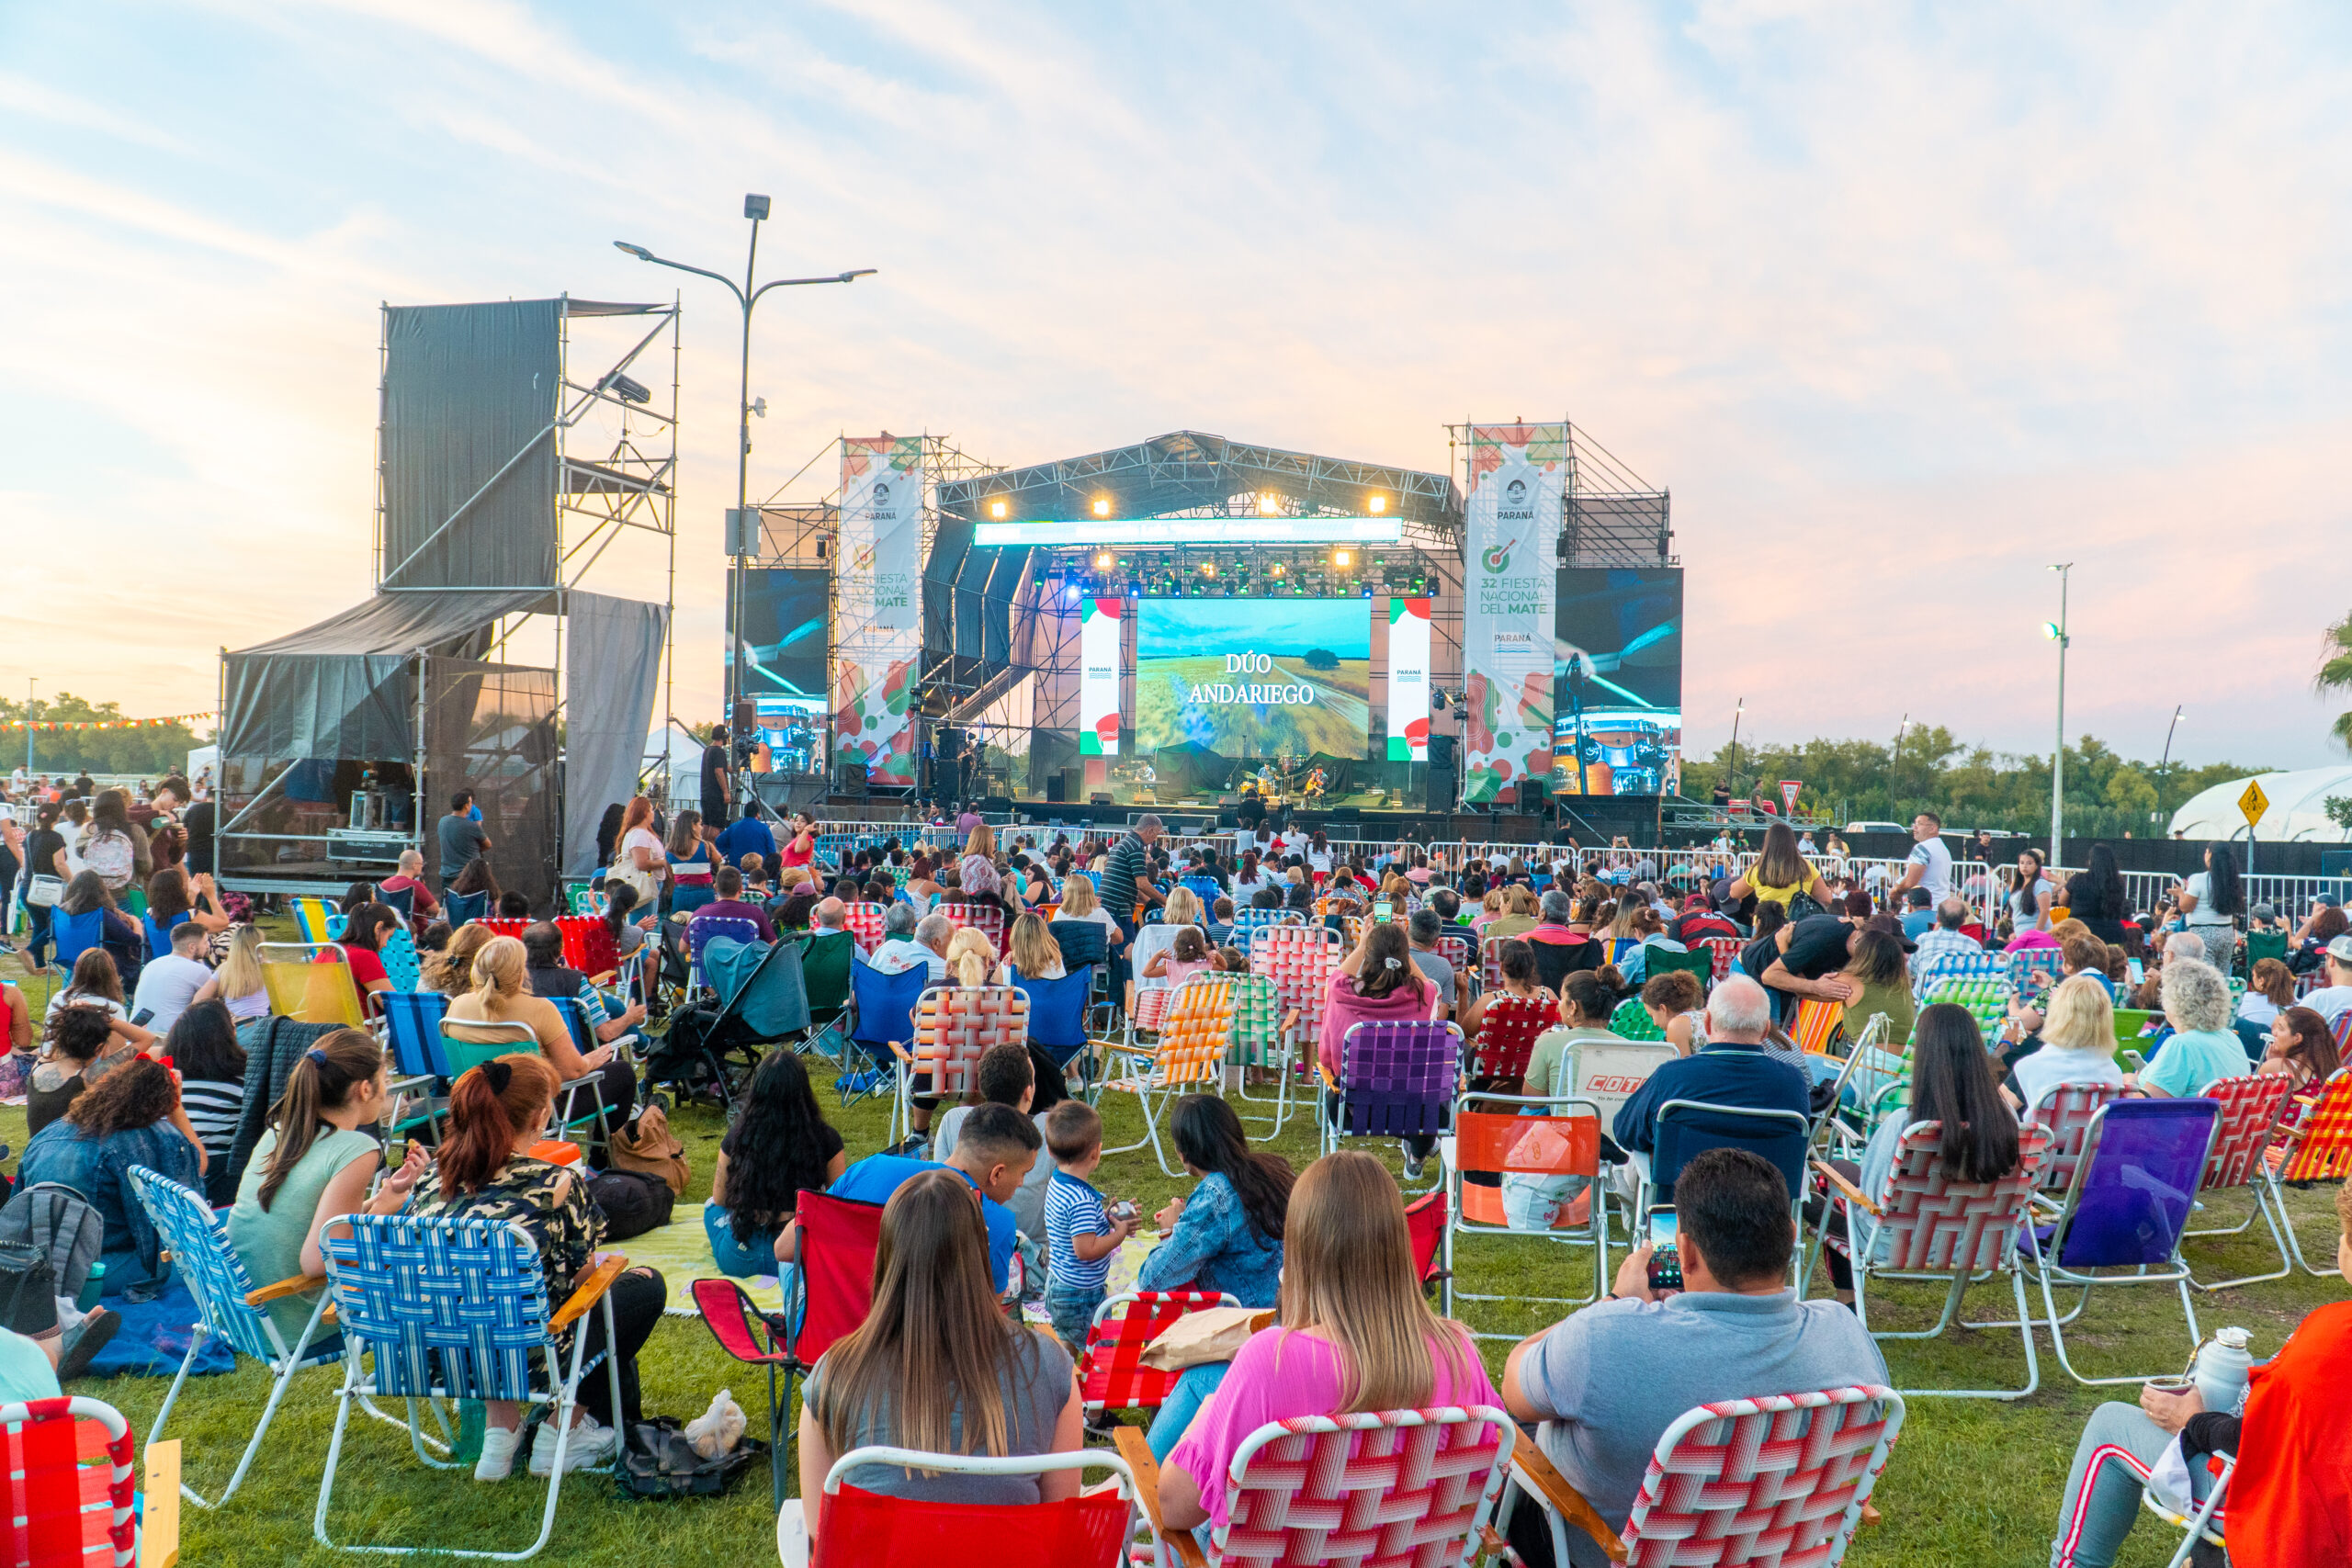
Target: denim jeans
[
  {"x": 1184, "y": 1401},
  {"x": 1072, "y": 1311},
  {"x": 735, "y": 1259}
]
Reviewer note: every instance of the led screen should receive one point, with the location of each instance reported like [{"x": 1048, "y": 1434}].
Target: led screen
[
  {"x": 1254, "y": 677},
  {"x": 786, "y": 612},
  {"x": 1618, "y": 682}
]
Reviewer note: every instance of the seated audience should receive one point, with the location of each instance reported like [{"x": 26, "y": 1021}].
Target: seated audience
[
  {"x": 911, "y": 940},
  {"x": 1422, "y": 929},
  {"x": 133, "y": 1118},
  {"x": 727, "y": 903},
  {"x": 2330, "y": 1000},
  {"x": 238, "y": 982},
  {"x": 203, "y": 1049},
  {"x": 1733, "y": 1069},
  {"x": 1793, "y": 960},
  {"x": 410, "y": 879},
  {"x": 168, "y": 985},
  {"x": 485, "y": 1171},
  {"x": 364, "y": 931},
  {"x": 995, "y": 1148},
  {"x": 451, "y": 972},
  {"x": 1586, "y": 1007},
  {"x": 1375, "y": 983},
  {"x": 1874, "y": 968},
  {"x": 778, "y": 1146},
  {"x": 2077, "y": 1044},
  {"x": 2202, "y": 1048},
  {"x": 1608, "y": 1381},
  {"x": 2301, "y": 1048},
  {"x": 1675, "y": 1001},
  {"x": 502, "y": 996},
  {"x": 80, "y": 1045},
  {"x": 1227, "y": 1235},
  {"x": 1035, "y": 954},
  {"x": 547, "y": 975}
]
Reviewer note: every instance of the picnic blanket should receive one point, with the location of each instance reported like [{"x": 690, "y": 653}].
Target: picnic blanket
[
  {"x": 681, "y": 1249},
  {"x": 154, "y": 1336}
]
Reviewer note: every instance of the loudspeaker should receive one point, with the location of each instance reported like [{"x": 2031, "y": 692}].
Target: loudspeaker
[
  {"x": 747, "y": 718},
  {"x": 1440, "y": 751},
  {"x": 1530, "y": 798},
  {"x": 1057, "y": 787},
  {"x": 849, "y": 778},
  {"x": 1442, "y": 782},
  {"x": 949, "y": 744}
]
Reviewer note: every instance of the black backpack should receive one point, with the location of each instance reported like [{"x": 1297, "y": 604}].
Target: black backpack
[
  {"x": 634, "y": 1202},
  {"x": 58, "y": 1222}
]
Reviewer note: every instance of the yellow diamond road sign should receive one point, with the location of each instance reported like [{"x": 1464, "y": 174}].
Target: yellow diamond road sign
[{"x": 2254, "y": 803}]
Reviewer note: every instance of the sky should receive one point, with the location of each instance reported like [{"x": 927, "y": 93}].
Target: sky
[{"x": 1903, "y": 303}]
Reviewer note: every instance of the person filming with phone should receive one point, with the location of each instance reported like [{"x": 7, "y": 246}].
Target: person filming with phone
[{"x": 1607, "y": 1382}]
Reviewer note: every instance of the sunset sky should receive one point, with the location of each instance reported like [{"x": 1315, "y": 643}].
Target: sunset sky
[{"x": 1903, "y": 303}]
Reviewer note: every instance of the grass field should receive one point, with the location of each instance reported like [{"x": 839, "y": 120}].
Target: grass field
[{"x": 1974, "y": 1483}]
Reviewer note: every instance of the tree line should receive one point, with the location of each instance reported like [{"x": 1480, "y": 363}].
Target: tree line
[{"x": 151, "y": 750}]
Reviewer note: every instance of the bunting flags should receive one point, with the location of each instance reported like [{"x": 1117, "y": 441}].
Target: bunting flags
[{"x": 46, "y": 726}]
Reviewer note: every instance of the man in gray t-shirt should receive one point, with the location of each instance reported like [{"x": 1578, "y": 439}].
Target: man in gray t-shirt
[
  {"x": 461, "y": 837},
  {"x": 1435, "y": 968},
  {"x": 1609, "y": 1381}
]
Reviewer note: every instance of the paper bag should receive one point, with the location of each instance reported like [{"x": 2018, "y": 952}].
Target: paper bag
[{"x": 1215, "y": 1334}]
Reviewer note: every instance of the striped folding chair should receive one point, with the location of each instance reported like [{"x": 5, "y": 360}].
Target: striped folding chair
[
  {"x": 2251, "y": 1108},
  {"x": 456, "y": 1309},
  {"x": 1111, "y": 1374},
  {"x": 1779, "y": 1479},
  {"x": 1508, "y": 1028},
  {"x": 1818, "y": 1022},
  {"x": 1396, "y": 1080},
  {"x": 1190, "y": 1051},
  {"x": 864, "y": 922},
  {"x": 231, "y": 1307},
  {"x": 1262, "y": 1038},
  {"x": 588, "y": 945},
  {"x": 504, "y": 925},
  {"x": 62, "y": 1505},
  {"x": 873, "y": 1529},
  {"x": 1490, "y": 962},
  {"x": 1934, "y": 1227},
  {"x": 1300, "y": 960},
  {"x": 986, "y": 919},
  {"x": 2067, "y": 1110},
  {"x": 1525, "y": 1164},
  {"x": 2314, "y": 1146},
  {"x": 1722, "y": 951},
  {"x": 1380, "y": 1487},
  {"x": 316, "y": 921},
  {"x": 956, "y": 1025},
  {"x": 1454, "y": 948}
]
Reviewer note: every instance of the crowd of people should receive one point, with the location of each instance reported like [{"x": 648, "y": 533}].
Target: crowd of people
[{"x": 994, "y": 1202}]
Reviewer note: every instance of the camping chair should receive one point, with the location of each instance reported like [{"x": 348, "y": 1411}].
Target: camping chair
[
  {"x": 401, "y": 901},
  {"x": 1299, "y": 960},
  {"x": 2313, "y": 1146},
  {"x": 159, "y": 937},
  {"x": 884, "y": 1025},
  {"x": 1490, "y": 962},
  {"x": 986, "y": 919},
  {"x": 1058, "y": 1016},
  {"x": 864, "y": 922},
  {"x": 956, "y": 1025},
  {"x": 1817, "y": 1024},
  {"x": 1508, "y": 1030},
  {"x": 464, "y": 909},
  {"x": 1261, "y": 1035},
  {"x": 1085, "y": 942},
  {"x": 1631, "y": 1021},
  {"x": 2130, "y": 1202},
  {"x": 1402, "y": 1486},
  {"x": 1782, "y": 1478},
  {"x": 1525, "y": 1164},
  {"x": 824, "y": 972},
  {"x": 1606, "y": 1073},
  {"x": 1110, "y": 1374},
  {"x": 1204, "y": 888},
  {"x": 1934, "y": 1227},
  {"x": 455, "y": 1309},
  {"x": 315, "y": 921},
  {"x": 400, "y": 959},
  {"x": 699, "y": 934},
  {"x": 413, "y": 1029},
  {"x": 1700, "y": 963},
  {"x": 2251, "y": 1107},
  {"x": 2067, "y": 1110},
  {"x": 60, "y": 1505},
  {"x": 459, "y": 1056},
  {"x": 315, "y": 988},
  {"x": 229, "y": 1306},
  {"x": 73, "y": 935},
  {"x": 872, "y": 1529},
  {"x": 1199, "y": 1023},
  {"x": 1396, "y": 1080}
]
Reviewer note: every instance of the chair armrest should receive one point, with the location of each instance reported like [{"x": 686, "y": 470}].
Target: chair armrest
[
  {"x": 1534, "y": 1471},
  {"x": 283, "y": 1287},
  {"x": 588, "y": 1293},
  {"x": 1137, "y": 1452},
  {"x": 600, "y": 981},
  {"x": 899, "y": 1051},
  {"x": 1851, "y": 1193},
  {"x": 1290, "y": 1020},
  {"x": 1328, "y": 1082}
]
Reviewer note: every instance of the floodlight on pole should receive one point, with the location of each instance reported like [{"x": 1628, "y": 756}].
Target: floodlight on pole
[{"x": 2056, "y": 632}]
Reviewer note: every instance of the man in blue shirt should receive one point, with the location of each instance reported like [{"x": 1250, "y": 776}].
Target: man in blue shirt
[
  {"x": 747, "y": 835},
  {"x": 1733, "y": 1070},
  {"x": 994, "y": 1149}
]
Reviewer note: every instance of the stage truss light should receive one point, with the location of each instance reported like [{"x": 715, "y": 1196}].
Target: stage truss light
[
  {"x": 1101, "y": 506},
  {"x": 1343, "y": 558},
  {"x": 1104, "y": 561},
  {"x": 1208, "y": 568},
  {"x": 1376, "y": 504},
  {"x": 1269, "y": 503},
  {"x": 999, "y": 510}
]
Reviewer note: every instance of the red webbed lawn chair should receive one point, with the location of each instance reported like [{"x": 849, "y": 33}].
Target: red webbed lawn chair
[
  {"x": 837, "y": 1243},
  {"x": 2251, "y": 1107},
  {"x": 1507, "y": 1032},
  {"x": 64, "y": 1506},
  {"x": 866, "y": 1530},
  {"x": 1112, "y": 1375}
]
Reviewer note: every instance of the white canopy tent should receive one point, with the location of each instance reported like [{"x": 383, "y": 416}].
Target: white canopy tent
[{"x": 2297, "y": 813}]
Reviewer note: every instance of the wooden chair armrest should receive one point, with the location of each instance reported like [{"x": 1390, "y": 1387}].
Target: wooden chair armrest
[
  {"x": 1851, "y": 1193},
  {"x": 588, "y": 1293},
  {"x": 899, "y": 1051},
  {"x": 1137, "y": 1452},
  {"x": 1328, "y": 1082},
  {"x": 1870, "y": 1515},
  {"x": 606, "y": 978},
  {"x": 1534, "y": 1471},
  {"x": 296, "y": 1286}
]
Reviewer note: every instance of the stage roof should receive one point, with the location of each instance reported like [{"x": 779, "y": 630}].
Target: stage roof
[{"x": 1188, "y": 471}]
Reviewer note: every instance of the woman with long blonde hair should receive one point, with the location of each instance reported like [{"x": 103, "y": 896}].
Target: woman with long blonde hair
[
  {"x": 971, "y": 957},
  {"x": 1356, "y": 1334},
  {"x": 1036, "y": 953},
  {"x": 502, "y": 995},
  {"x": 238, "y": 981}
]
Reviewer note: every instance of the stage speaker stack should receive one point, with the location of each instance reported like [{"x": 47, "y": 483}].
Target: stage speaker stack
[
  {"x": 1530, "y": 798},
  {"x": 849, "y": 779},
  {"x": 1443, "y": 780}
]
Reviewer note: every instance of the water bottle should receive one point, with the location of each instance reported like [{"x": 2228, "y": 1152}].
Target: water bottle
[{"x": 2222, "y": 1362}]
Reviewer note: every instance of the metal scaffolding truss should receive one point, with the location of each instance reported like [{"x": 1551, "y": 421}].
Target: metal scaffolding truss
[{"x": 1613, "y": 517}]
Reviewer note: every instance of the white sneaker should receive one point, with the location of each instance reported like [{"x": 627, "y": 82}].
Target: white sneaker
[
  {"x": 592, "y": 1444},
  {"x": 498, "y": 1446},
  {"x": 1413, "y": 1165}
]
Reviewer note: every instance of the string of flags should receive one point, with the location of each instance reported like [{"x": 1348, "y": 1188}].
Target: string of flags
[{"x": 44, "y": 725}]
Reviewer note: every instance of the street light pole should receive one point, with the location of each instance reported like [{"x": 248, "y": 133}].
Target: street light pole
[
  {"x": 2056, "y": 632},
  {"x": 741, "y": 540},
  {"x": 1731, "y": 770},
  {"x": 2163, "y": 766}
]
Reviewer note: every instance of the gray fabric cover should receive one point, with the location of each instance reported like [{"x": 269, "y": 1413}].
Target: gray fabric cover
[{"x": 610, "y": 670}]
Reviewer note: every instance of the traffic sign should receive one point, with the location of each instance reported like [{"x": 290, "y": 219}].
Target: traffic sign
[{"x": 2253, "y": 803}]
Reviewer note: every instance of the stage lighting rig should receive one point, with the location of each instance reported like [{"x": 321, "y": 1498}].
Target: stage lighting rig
[
  {"x": 1343, "y": 558},
  {"x": 999, "y": 509},
  {"x": 1101, "y": 506},
  {"x": 1375, "y": 504}
]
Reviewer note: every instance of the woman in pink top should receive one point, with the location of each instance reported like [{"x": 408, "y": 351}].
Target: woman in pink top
[
  {"x": 1376, "y": 982},
  {"x": 1355, "y": 1333}
]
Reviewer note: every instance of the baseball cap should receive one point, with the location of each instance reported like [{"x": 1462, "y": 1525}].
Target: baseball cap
[
  {"x": 2340, "y": 949},
  {"x": 2265, "y": 912}
]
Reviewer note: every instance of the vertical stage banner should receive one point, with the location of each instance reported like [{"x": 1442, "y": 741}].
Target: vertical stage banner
[
  {"x": 878, "y": 606},
  {"x": 1097, "y": 687},
  {"x": 1512, "y": 556},
  {"x": 1409, "y": 680}
]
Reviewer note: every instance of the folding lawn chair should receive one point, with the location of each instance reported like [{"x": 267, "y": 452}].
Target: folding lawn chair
[
  {"x": 1631, "y": 1021},
  {"x": 956, "y": 1025},
  {"x": 1263, "y": 1032},
  {"x": 1508, "y": 1030},
  {"x": 585, "y": 1127},
  {"x": 1111, "y": 1374},
  {"x": 70, "y": 1488},
  {"x": 1396, "y": 1080},
  {"x": 1300, "y": 960},
  {"x": 863, "y": 923},
  {"x": 1190, "y": 1048},
  {"x": 986, "y": 919},
  {"x": 311, "y": 983},
  {"x": 1525, "y": 1164},
  {"x": 1782, "y": 1478},
  {"x": 1722, "y": 951},
  {"x": 883, "y": 1027},
  {"x": 834, "y": 1270},
  {"x": 2068, "y": 1110},
  {"x": 400, "y": 959},
  {"x": 1933, "y": 1227},
  {"x": 1058, "y": 1016},
  {"x": 2314, "y": 1146},
  {"x": 413, "y": 1029},
  {"x": 701, "y": 934},
  {"x": 2251, "y": 1107},
  {"x": 1380, "y": 1487},
  {"x": 1688, "y": 1128},
  {"x": 871, "y": 1529},
  {"x": 1490, "y": 962}
]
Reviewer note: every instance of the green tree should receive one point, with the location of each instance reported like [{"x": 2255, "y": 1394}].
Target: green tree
[
  {"x": 2335, "y": 675},
  {"x": 151, "y": 750}
]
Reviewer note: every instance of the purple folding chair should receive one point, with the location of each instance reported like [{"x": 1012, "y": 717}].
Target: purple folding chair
[
  {"x": 700, "y": 933},
  {"x": 2132, "y": 1197},
  {"x": 1397, "y": 1081}
]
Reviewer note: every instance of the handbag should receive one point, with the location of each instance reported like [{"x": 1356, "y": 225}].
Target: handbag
[
  {"x": 44, "y": 890},
  {"x": 633, "y": 1203},
  {"x": 650, "y": 1148}
]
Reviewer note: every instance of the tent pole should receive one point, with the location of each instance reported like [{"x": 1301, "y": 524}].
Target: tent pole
[{"x": 417, "y": 770}]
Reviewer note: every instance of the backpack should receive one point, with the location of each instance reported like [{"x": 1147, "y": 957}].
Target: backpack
[
  {"x": 56, "y": 1220},
  {"x": 649, "y": 1146},
  {"x": 633, "y": 1203}
]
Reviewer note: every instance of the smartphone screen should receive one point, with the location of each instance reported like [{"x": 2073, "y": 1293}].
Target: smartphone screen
[
  {"x": 1382, "y": 910},
  {"x": 1666, "y": 1260}
]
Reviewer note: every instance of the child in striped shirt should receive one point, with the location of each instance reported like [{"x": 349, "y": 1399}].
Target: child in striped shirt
[{"x": 1080, "y": 1235}]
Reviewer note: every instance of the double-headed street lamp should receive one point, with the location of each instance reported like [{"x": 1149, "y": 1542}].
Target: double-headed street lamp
[
  {"x": 743, "y": 537},
  {"x": 2056, "y": 632}
]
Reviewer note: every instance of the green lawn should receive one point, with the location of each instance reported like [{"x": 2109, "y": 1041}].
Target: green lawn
[{"x": 1971, "y": 1482}]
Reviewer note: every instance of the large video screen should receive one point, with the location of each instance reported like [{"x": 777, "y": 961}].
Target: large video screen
[
  {"x": 1254, "y": 677},
  {"x": 1618, "y": 682},
  {"x": 786, "y": 610}
]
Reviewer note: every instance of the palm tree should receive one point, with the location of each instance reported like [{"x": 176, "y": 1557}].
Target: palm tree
[{"x": 2336, "y": 674}]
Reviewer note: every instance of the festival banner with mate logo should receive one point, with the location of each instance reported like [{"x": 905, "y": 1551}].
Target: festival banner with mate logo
[
  {"x": 1517, "y": 473},
  {"x": 1409, "y": 680},
  {"x": 878, "y": 606}
]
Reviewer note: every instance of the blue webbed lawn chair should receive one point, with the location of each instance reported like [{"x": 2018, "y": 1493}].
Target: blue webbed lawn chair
[
  {"x": 1204, "y": 888},
  {"x": 401, "y": 966},
  {"x": 884, "y": 1030},
  {"x": 413, "y": 1029},
  {"x": 228, "y": 1304},
  {"x": 463, "y": 908},
  {"x": 1058, "y": 1016},
  {"x": 159, "y": 937},
  {"x": 701, "y": 934},
  {"x": 455, "y": 1309}
]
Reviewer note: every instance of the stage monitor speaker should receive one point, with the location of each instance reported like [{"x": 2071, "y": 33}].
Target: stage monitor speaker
[
  {"x": 950, "y": 744},
  {"x": 1100, "y": 797},
  {"x": 1441, "y": 783},
  {"x": 849, "y": 778},
  {"x": 1057, "y": 788},
  {"x": 747, "y": 716},
  {"x": 1440, "y": 751}
]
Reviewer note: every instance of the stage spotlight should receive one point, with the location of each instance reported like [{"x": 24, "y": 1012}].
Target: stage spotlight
[
  {"x": 1269, "y": 503},
  {"x": 1072, "y": 592},
  {"x": 1377, "y": 505},
  {"x": 623, "y": 388},
  {"x": 999, "y": 510},
  {"x": 1102, "y": 560},
  {"x": 1437, "y": 702},
  {"x": 1278, "y": 569},
  {"x": 1343, "y": 557},
  {"x": 1101, "y": 506},
  {"x": 1208, "y": 568}
]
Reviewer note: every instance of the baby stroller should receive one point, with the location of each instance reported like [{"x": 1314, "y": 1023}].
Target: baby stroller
[{"x": 761, "y": 1000}]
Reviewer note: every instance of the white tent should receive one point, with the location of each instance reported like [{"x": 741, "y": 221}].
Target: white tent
[{"x": 2297, "y": 813}]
